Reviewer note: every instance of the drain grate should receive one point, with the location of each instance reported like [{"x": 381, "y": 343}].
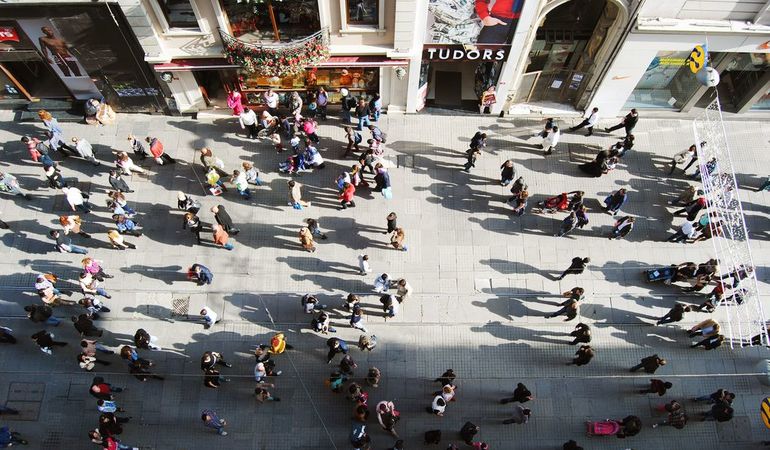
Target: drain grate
[{"x": 27, "y": 399}]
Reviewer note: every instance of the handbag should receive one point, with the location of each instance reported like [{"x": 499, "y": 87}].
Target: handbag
[{"x": 216, "y": 190}]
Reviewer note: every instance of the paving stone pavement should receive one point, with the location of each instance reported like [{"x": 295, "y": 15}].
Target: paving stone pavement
[{"x": 483, "y": 283}]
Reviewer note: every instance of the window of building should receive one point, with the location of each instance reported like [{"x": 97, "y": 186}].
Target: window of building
[
  {"x": 667, "y": 83},
  {"x": 362, "y": 15},
  {"x": 179, "y": 14},
  {"x": 270, "y": 20}
]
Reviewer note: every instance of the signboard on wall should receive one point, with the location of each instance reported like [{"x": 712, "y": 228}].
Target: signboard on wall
[{"x": 465, "y": 52}]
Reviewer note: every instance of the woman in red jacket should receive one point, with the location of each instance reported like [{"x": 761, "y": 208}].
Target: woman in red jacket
[{"x": 346, "y": 196}]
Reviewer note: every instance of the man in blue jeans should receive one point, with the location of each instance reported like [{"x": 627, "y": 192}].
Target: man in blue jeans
[
  {"x": 64, "y": 243},
  {"x": 201, "y": 274},
  {"x": 211, "y": 420}
]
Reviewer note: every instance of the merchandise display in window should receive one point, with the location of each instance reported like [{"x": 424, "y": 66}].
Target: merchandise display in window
[
  {"x": 363, "y": 12},
  {"x": 359, "y": 81}
]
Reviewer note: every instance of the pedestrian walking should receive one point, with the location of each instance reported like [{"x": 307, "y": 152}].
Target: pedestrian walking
[
  {"x": 692, "y": 209},
  {"x": 144, "y": 340},
  {"x": 354, "y": 139},
  {"x": 94, "y": 306},
  {"x": 568, "y": 224},
  {"x": 577, "y": 267},
  {"x": 710, "y": 343},
  {"x": 679, "y": 158},
  {"x": 357, "y": 319},
  {"x": 589, "y": 121},
  {"x": 520, "y": 416},
  {"x": 468, "y": 431},
  {"x": 362, "y": 113},
  {"x": 676, "y": 418},
  {"x": 706, "y": 328},
  {"x": 263, "y": 395},
  {"x": 90, "y": 285},
  {"x": 194, "y": 224},
  {"x": 221, "y": 238},
  {"x": 720, "y": 395},
  {"x": 569, "y": 307},
  {"x": 248, "y": 121},
  {"x": 45, "y": 341},
  {"x": 721, "y": 411},
  {"x": 76, "y": 199},
  {"x": 382, "y": 283},
  {"x": 622, "y": 227},
  {"x": 137, "y": 147},
  {"x": 676, "y": 314},
  {"x": 403, "y": 290},
  {"x": 347, "y": 195},
  {"x": 64, "y": 243},
  {"x": 54, "y": 176},
  {"x": 551, "y": 140},
  {"x": 348, "y": 365},
  {"x": 373, "y": 375},
  {"x": 212, "y": 420},
  {"x": 9, "y": 437},
  {"x": 157, "y": 151},
  {"x": 628, "y": 122},
  {"x": 392, "y": 223},
  {"x": 657, "y": 387},
  {"x": 41, "y": 314},
  {"x": 363, "y": 265},
  {"x": 650, "y": 364},
  {"x": 118, "y": 242},
  {"x": 306, "y": 239},
  {"x": 521, "y": 394},
  {"x": 438, "y": 406},
  {"x": 117, "y": 182},
  {"x": 507, "y": 172},
  {"x": 223, "y": 218},
  {"x": 472, "y": 155},
  {"x": 367, "y": 342},
  {"x": 583, "y": 356},
  {"x": 388, "y": 416},
  {"x": 102, "y": 390},
  {"x": 310, "y": 303},
  {"x": 295, "y": 195},
  {"x": 85, "y": 150},
  {"x": 615, "y": 201},
  {"x": 9, "y": 183},
  {"x": 85, "y": 326},
  {"x": 397, "y": 239},
  {"x": 390, "y": 305},
  {"x": 335, "y": 345},
  {"x": 208, "y": 317},
  {"x": 581, "y": 333},
  {"x": 685, "y": 232}
]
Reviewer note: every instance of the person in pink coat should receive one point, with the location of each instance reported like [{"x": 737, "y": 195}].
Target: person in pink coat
[{"x": 234, "y": 102}]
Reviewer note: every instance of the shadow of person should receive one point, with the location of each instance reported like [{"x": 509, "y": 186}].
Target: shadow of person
[{"x": 167, "y": 274}]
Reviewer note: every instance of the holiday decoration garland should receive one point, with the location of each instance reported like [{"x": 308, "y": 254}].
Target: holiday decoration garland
[{"x": 277, "y": 59}]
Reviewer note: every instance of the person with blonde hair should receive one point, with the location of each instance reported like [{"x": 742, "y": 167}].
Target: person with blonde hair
[
  {"x": 306, "y": 239},
  {"x": 56, "y": 135},
  {"x": 126, "y": 164},
  {"x": 117, "y": 241},
  {"x": 397, "y": 239},
  {"x": 252, "y": 175},
  {"x": 73, "y": 224}
]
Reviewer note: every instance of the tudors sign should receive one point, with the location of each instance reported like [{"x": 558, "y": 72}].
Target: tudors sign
[{"x": 465, "y": 52}]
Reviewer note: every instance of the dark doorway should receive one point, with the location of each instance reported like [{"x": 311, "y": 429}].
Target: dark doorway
[
  {"x": 37, "y": 79},
  {"x": 448, "y": 88}
]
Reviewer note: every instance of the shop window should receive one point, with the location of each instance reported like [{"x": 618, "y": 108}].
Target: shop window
[
  {"x": 361, "y": 82},
  {"x": 763, "y": 103},
  {"x": 362, "y": 15},
  {"x": 178, "y": 14},
  {"x": 667, "y": 83},
  {"x": 271, "y": 20}
]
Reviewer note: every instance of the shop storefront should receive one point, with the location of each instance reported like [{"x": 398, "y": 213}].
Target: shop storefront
[
  {"x": 651, "y": 72},
  {"x": 74, "y": 52}
]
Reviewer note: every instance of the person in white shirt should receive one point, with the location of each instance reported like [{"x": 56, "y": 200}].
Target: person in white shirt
[
  {"x": 313, "y": 156},
  {"x": 363, "y": 264},
  {"x": 382, "y": 283},
  {"x": 271, "y": 100},
  {"x": 241, "y": 184},
  {"x": 209, "y": 317},
  {"x": 76, "y": 199},
  {"x": 589, "y": 122},
  {"x": 550, "y": 140},
  {"x": 85, "y": 150},
  {"x": 248, "y": 120}
]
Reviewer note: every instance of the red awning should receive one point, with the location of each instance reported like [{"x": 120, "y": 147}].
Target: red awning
[
  {"x": 177, "y": 65},
  {"x": 362, "y": 61}
]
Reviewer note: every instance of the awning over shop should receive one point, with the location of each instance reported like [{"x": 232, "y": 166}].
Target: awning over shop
[
  {"x": 177, "y": 65},
  {"x": 362, "y": 61}
]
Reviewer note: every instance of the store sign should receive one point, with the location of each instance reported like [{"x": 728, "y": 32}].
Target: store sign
[
  {"x": 698, "y": 58},
  {"x": 465, "y": 52},
  {"x": 8, "y": 34}
]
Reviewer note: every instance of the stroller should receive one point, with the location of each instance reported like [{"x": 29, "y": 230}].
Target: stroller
[
  {"x": 604, "y": 428},
  {"x": 664, "y": 274},
  {"x": 553, "y": 204}
]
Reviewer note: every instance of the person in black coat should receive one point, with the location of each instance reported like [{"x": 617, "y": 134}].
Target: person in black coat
[
  {"x": 85, "y": 326},
  {"x": 628, "y": 122},
  {"x": 223, "y": 218},
  {"x": 117, "y": 182}
]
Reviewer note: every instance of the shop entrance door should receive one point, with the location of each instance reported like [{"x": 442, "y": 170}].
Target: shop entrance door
[
  {"x": 564, "y": 54},
  {"x": 448, "y": 88}
]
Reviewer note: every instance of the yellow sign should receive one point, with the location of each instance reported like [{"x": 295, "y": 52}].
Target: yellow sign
[{"x": 697, "y": 59}]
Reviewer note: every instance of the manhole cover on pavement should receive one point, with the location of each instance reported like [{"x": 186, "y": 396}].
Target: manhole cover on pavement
[
  {"x": 27, "y": 392},
  {"x": 29, "y": 411}
]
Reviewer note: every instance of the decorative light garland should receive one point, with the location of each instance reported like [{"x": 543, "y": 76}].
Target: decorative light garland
[{"x": 277, "y": 59}]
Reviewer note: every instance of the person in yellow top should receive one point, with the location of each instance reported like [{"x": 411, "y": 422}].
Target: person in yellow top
[{"x": 278, "y": 344}]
